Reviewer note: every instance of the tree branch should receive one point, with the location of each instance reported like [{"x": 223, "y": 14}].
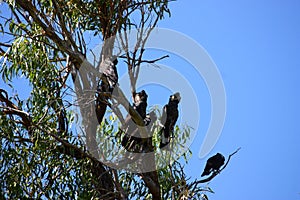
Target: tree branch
[
  {"x": 5, "y": 44},
  {"x": 214, "y": 174},
  {"x": 11, "y": 108},
  {"x": 150, "y": 61},
  {"x": 49, "y": 30},
  {"x": 152, "y": 184},
  {"x": 65, "y": 32},
  {"x": 123, "y": 195}
]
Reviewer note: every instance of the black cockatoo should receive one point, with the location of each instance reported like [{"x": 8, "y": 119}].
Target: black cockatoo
[
  {"x": 169, "y": 118},
  {"x": 106, "y": 84},
  {"x": 109, "y": 70},
  {"x": 140, "y": 103},
  {"x": 132, "y": 138},
  {"x": 133, "y": 142},
  {"x": 213, "y": 164}
]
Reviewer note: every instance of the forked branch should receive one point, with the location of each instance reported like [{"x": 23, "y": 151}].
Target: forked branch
[{"x": 194, "y": 184}]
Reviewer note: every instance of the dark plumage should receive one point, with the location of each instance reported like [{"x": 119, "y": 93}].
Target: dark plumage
[
  {"x": 108, "y": 68},
  {"x": 132, "y": 140},
  {"x": 105, "y": 84},
  {"x": 213, "y": 164},
  {"x": 169, "y": 118},
  {"x": 140, "y": 103}
]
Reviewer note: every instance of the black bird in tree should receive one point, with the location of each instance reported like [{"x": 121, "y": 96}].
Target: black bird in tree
[
  {"x": 169, "y": 118},
  {"x": 213, "y": 164},
  {"x": 132, "y": 140},
  {"x": 106, "y": 85},
  {"x": 140, "y": 103},
  {"x": 109, "y": 70}
]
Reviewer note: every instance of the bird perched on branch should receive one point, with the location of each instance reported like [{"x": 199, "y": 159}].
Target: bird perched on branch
[
  {"x": 132, "y": 140},
  {"x": 106, "y": 84},
  {"x": 109, "y": 70},
  {"x": 140, "y": 103},
  {"x": 213, "y": 164},
  {"x": 169, "y": 118}
]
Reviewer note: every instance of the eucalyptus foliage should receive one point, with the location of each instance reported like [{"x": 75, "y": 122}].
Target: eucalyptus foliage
[{"x": 43, "y": 151}]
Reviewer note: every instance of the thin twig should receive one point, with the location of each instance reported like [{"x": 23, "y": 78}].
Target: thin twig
[
  {"x": 214, "y": 174},
  {"x": 118, "y": 185}
]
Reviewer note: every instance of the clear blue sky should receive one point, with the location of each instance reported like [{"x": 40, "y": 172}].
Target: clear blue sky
[{"x": 256, "y": 46}]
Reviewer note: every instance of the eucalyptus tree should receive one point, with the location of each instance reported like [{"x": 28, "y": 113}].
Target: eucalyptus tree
[{"x": 49, "y": 44}]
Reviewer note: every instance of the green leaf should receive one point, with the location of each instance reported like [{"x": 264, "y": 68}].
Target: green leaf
[
  {"x": 210, "y": 190},
  {"x": 1, "y": 28},
  {"x": 204, "y": 197}
]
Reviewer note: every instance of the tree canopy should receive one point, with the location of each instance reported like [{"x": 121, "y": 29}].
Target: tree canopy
[{"x": 43, "y": 153}]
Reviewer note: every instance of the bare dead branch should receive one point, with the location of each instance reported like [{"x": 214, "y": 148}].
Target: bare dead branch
[
  {"x": 229, "y": 157},
  {"x": 214, "y": 174},
  {"x": 150, "y": 61}
]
